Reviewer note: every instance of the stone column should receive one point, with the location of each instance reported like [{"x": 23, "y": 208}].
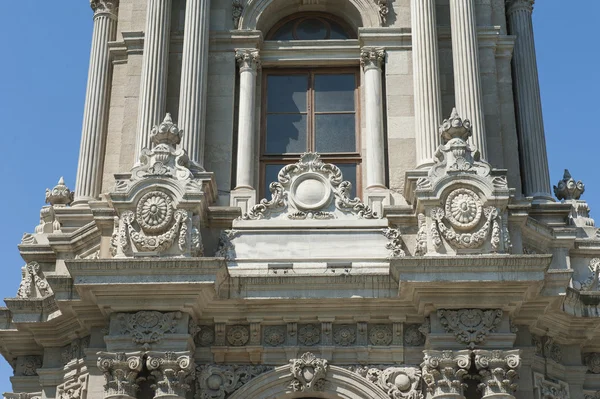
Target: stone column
[
  {"x": 498, "y": 371},
  {"x": 443, "y": 373},
  {"x": 248, "y": 61},
  {"x": 95, "y": 114},
  {"x": 426, "y": 77},
  {"x": 467, "y": 80},
  {"x": 194, "y": 70},
  {"x": 371, "y": 60},
  {"x": 153, "y": 89},
  {"x": 530, "y": 125},
  {"x": 174, "y": 372},
  {"x": 121, "y": 371}
]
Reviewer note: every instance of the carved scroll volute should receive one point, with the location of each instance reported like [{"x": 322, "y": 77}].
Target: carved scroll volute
[
  {"x": 498, "y": 371},
  {"x": 173, "y": 373},
  {"x": 443, "y": 372},
  {"x": 120, "y": 373}
]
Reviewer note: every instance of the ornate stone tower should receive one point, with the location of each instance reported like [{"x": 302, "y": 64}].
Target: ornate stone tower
[{"x": 270, "y": 203}]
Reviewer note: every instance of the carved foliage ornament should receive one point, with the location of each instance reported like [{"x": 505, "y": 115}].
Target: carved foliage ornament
[
  {"x": 421, "y": 242},
  {"x": 395, "y": 244},
  {"x": 592, "y": 361},
  {"x": 344, "y": 335},
  {"x": 148, "y": 327},
  {"x": 550, "y": 389},
  {"x": 498, "y": 371},
  {"x": 592, "y": 282},
  {"x": 274, "y": 335},
  {"x": 443, "y": 371},
  {"x": 28, "y": 365},
  {"x": 372, "y": 57},
  {"x": 309, "y": 335},
  {"x": 218, "y": 382},
  {"x": 470, "y": 326},
  {"x": 568, "y": 188},
  {"x": 397, "y": 382},
  {"x": 22, "y": 395},
  {"x": 413, "y": 336},
  {"x": 309, "y": 373},
  {"x": 547, "y": 348},
  {"x": 380, "y": 335},
  {"x": 383, "y": 10},
  {"x": 308, "y": 187},
  {"x": 247, "y": 59},
  {"x": 105, "y": 6},
  {"x": 60, "y": 195},
  {"x": 74, "y": 389},
  {"x": 238, "y": 335},
  {"x": 32, "y": 276},
  {"x": 202, "y": 335}
]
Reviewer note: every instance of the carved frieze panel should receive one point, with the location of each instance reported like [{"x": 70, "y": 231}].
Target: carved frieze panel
[
  {"x": 238, "y": 335},
  {"x": 147, "y": 327},
  {"x": 310, "y": 189},
  {"x": 470, "y": 326},
  {"x": 591, "y": 283},
  {"x": 380, "y": 335},
  {"x": 218, "y": 381},
  {"x": 344, "y": 335},
  {"x": 22, "y": 395},
  {"x": 309, "y": 334}
]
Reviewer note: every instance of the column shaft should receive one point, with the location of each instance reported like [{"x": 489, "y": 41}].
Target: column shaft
[
  {"x": 426, "y": 75},
  {"x": 153, "y": 90},
  {"x": 467, "y": 80},
  {"x": 95, "y": 114},
  {"x": 372, "y": 60},
  {"x": 192, "y": 100},
  {"x": 249, "y": 62},
  {"x": 530, "y": 124}
]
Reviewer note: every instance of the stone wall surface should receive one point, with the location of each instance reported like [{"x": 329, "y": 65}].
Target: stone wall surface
[{"x": 451, "y": 273}]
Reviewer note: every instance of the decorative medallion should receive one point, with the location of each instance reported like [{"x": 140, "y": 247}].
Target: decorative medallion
[
  {"x": 380, "y": 335},
  {"x": 463, "y": 208},
  {"x": 238, "y": 335},
  {"x": 470, "y": 326},
  {"x": 344, "y": 335},
  {"x": 413, "y": 335},
  {"x": 148, "y": 327},
  {"x": 274, "y": 335},
  {"x": 203, "y": 335},
  {"x": 309, "y": 335},
  {"x": 592, "y": 361},
  {"x": 154, "y": 211},
  {"x": 309, "y": 373}
]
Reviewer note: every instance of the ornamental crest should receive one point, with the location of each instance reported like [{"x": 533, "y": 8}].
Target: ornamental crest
[
  {"x": 310, "y": 190},
  {"x": 309, "y": 373},
  {"x": 470, "y": 326},
  {"x": 148, "y": 327}
]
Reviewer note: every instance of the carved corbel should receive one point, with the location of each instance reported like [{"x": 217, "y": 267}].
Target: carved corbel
[{"x": 120, "y": 373}]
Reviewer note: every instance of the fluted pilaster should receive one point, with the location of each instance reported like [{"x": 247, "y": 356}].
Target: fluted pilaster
[
  {"x": 153, "y": 89},
  {"x": 95, "y": 114},
  {"x": 467, "y": 81},
  {"x": 426, "y": 75},
  {"x": 192, "y": 100},
  {"x": 371, "y": 61},
  {"x": 249, "y": 62},
  {"x": 530, "y": 124}
]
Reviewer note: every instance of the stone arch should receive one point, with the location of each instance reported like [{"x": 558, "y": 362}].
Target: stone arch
[
  {"x": 263, "y": 14},
  {"x": 340, "y": 384}
]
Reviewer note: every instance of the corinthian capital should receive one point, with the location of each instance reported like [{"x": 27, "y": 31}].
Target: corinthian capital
[
  {"x": 519, "y": 5},
  {"x": 110, "y": 7},
  {"x": 372, "y": 58},
  {"x": 443, "y": 371},
  {"x": 498, "y": 371},
  {"x": 174, "y": 372},
  {"x": 120, "y": 373},
  {"x": 247, "y": 59}
]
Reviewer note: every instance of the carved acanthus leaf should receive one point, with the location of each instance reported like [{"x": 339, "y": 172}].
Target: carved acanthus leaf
[
  {"x": 498, "y": 371},
  {"x": 443, "y": 371},
  {"x": 568, "y": 188},
  {"x": 120, "y": 372},
  {"x": 148, "y": 327},
  {"x": 395, "y": 244},
  {"x": 470, "y": 326},
  {"x": 173, "y": 371},
  {"x": 592, "y": 361}
]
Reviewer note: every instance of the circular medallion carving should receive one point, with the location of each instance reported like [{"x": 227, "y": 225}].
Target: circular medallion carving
[
  {"x": 412, "y": 336},
  {"x": 309, "y": 335},
  {"x": 463, "y": 208},
  {"x": 205, "y": 337},
  {"x": 154, "y": 211},
  {"x": 310, "y": 191},
  {"x": 238, "y": 336},
  {"x": 274, "y": 335},
  {"x": 344, "y": 336},
  {"x": 380, "y": 335}
]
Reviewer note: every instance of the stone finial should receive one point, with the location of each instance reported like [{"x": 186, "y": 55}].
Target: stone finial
[
  {"x": 568, "y": 189},
  {"x": 455, "y": 127},
  {"x": 166, "y": 133},
  {"x": 60, "y": 195}
]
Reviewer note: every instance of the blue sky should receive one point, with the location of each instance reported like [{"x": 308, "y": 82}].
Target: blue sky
[{"x": 43, "y": 77}]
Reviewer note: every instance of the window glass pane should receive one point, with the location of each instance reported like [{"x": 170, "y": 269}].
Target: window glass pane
[
  {"x": 286, "y": 133},
  {"x": 271, "y": 172},
  {"x": 286, "y": 93},
  {"x": 334, "y": 92},
  {"x": 349, "y": 173},
  {"x": 312, "y": 29},
  {"x": 335, "y": 133},
  {"x": 285, "y": 32},
  {"x": 337, "y": 32}
]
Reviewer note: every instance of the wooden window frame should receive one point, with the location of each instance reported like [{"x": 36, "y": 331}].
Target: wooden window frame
[{"x": 287, "y": 158}]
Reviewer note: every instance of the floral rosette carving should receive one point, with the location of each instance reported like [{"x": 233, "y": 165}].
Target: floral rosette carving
[
  {"x": 274, "y": 335},
  {"x": 238, "y": 335},
  {"x": 309, "y": 373},
  {"x": 380, "y": 335},
  {"x": 470, "y": 326},
  {"x": 463, "y": 208},
  {"x": 344, "y": 335},
  {"x": 413, "y": 335},
  {"x": 154, "y": 211},
  {"x": 309, "y": 335}
]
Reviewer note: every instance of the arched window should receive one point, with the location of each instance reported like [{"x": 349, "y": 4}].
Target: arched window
[
  {"x": 310, "y": 108},
  {"x": 311, "y": 26}
]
